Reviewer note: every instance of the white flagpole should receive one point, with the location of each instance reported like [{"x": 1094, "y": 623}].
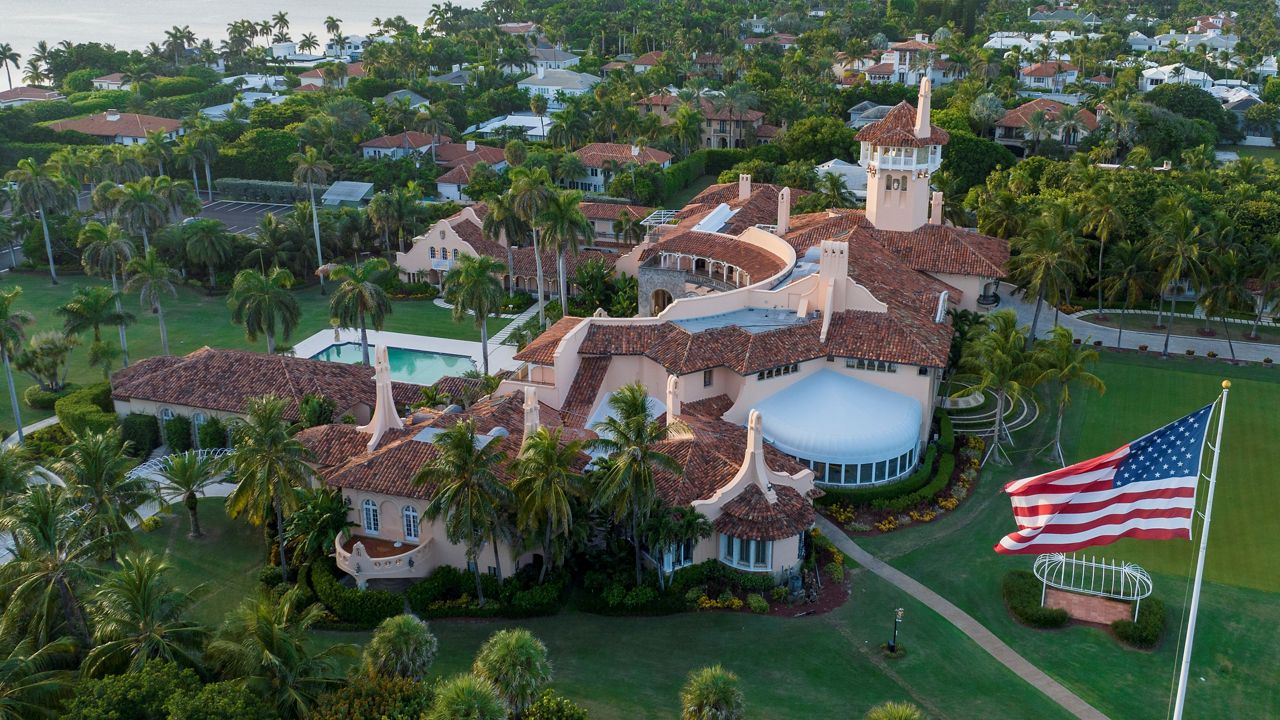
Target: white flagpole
[{"x": 1180, "y": 703}]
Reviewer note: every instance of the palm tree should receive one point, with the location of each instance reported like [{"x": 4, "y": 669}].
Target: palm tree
[
  {"x": 1175, "y": 251},
  {"x": 1049, "y": 260},
  {"x": 139, "y": 617},
  {"x": 466, "y": 492},
  {"x": 95, "y": 470},
  {"x": 359, "y": 300},
  {"x": 308, "y": 42},
  {"x": 320, "y": 519},
  {"x": 310, "y": 169},
  {"x": 15, "y": 474},
  {"x": 469, "y": 697},
  {"x": 1059, "y": 360},
  {"x": 177, "y": 196},
  {"x": 139, "y": 207},
  {"x": 1102, "y": 218},
  {"x": 545, "y": 485},
  {"x": 152, "y": 279},
  {"x": 90, "y": 308},
  {"x": 104, "y": 252},
  {"x": 267, "y": 643},
  {"x": 628, "y": 437},
  {"x": 530, "y": 193},
  {"x": 1226, "y": 288},
  {"x": 203, "y": 145},
  {"x": 13, "y": 334},
  {"x": 712, "y": 693},
  {"x": 563, "y": 226},
  {"x": 333, "y": 26},
  {"x": 997, "y": 359},
  {"x": 895, "y": 711},
  {"x": 41, "y": 190},
  {"x": 504, "y": 226},
  {"x": 183, "y": 478},
  {"x": 739, "y": 99},
  {"x": 537, "y": 105},
  {"x": 1129, "y": 275},
  {"x": 516, "y": 663},
  {"x": 1264, "y": 262},
  {"x": 33, "y": 678},
  {"x": 401, "y": 646},
  {"x": 474, "y": 287},
  {"x": 435, "y": 121},
  {"x": 263, "y": 304},
  {"x": 270, "y": 465},
  {"x": 629, "y": 229},
  {"x": 208, "y": 244},
  {"x": 8, "y": 56}
]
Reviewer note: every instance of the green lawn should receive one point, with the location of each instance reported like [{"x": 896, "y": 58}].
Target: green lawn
[
  {"x": 195, "y": 319},
  {"x": 1238, "y": 643},
  {"x": 1261, "y": 153},
  {"x": 683, "y": 197}
]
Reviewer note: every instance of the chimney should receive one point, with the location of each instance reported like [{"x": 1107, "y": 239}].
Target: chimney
[
  {"x": 935, "y": 208},
  {"x": 384, "y": 416},
  {"x": 532, "y": 421},
  {"x": 113, "y": 115},
  {"x": 542, "y": 71},
  {"x": 457, "y": 67},
  {"x": 784, "y": 211},
  {"x": 744, "y": 186},
  {"x": 673, "y": 398},
  {"x": 471, "y": 146},
  {"x": 635, "y": 151},
  {"x": 922, "y": 107},
  {"x": 755, "y": 455}
]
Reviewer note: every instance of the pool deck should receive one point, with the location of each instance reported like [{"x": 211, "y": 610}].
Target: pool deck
[{"x": 501, "y": 357}]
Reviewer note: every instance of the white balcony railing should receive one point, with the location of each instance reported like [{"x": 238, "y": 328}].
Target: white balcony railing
[{"x": 361, "y": 565}]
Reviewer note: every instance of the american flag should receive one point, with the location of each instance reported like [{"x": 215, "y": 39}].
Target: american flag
[{"x": 1146, "y": 489}]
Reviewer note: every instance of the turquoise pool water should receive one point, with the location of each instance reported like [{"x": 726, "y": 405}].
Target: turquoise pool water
[{"x": 420, "y": 367}]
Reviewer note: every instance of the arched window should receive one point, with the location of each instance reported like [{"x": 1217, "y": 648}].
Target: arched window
[
  {"x": 371, "y": 521},
  {"x": 198, "y": 419},
  {"x": 410, "y": 523},
  {"x": 455, "y": 253},
  {"x": 433, "y": 252},
  {"x": 166, "y": 414}
]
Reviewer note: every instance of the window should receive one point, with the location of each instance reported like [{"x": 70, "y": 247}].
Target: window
[
  {"x": 198, "y": 419},
  {"x": 708, "y": 376},
  {"x": 679, "y": 555},
  {"x": 166, "y": 414},
  {"x": 410, "y": 523},
  {"x": 433, "y": 253},
  {"x": 778, "y": 371},
  {"x": 455, "y": 253},
  {"x": 746, "y": 554},
  {"x": 371, "y": 520},
  {"x": 872, "y": 365}
]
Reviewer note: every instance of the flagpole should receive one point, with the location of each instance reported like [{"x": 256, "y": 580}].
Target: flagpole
[{"x": 1180, "y": 703}]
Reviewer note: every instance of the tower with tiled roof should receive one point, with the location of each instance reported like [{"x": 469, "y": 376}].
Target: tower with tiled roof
[{"x": 901, "y": 152}]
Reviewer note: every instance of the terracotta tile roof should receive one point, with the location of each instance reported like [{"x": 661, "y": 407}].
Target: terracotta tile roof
[
  {"x": 594, "y": 155},
  {"x": 412, "y": 140},
  {"x": 517, "y": 28},
  {"x": 1019, "y": 116},
  {"x": 710, "y": 456},
  {"x": 708, "y": 59},
  {"x": 750, "y": 515},
  {"x": 460, "y": 175},
  {"x": 884, "y": 68},
  {"x": 451, "y": 154},
  {"x": 912, "y": 44},
  {"x": 526, "y": 264},
  {"x": 1048, "y": 69},
  {"x": 706, "y": 107},
  {"x": 127, "y": 125},
  {"x": 110, "y": 78},
  {"x": 354, "y": 70},
  {"x": 611, "y": 211},
  {"x": 462, "y": 390},
  {"x": 611, "y": 66},
  {"x": 542, "y": 349},
  {"x": 1100, "y": 79},
  {"x": 760, "y": 208},
  {"x": 767, "y": 131},
  {"x": 332, "y": 445},
  {"x": 711, "y": 408},
  {"x": 224, "y": 380},
  {"x": 583, "y": 391},
  {"x": 649, "y": 58},
  {"x": 29, "y": 93},
  {"x": 754, "y": 261},
  {"x": 897, "y": 129}
]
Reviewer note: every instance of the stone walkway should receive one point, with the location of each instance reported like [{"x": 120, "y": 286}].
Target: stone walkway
[
  {"x": 985, "y": 639},
  {"x": 502, "y": 335}
]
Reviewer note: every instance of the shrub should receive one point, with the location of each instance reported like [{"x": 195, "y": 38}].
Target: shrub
[
  {"x": 640, "y": 596},
  {"x": 376, "y": 696},
  {"x": 757, "y": 603},
  {"x": 46, "y": 444},
  {"x": 1211, "y": 354},
  {"x": 151, "y": 523},
  {"x": 550, "y": 706},
  {"x": 38, "y": 399},
  {"x": 1266, "y": 361},
  {"x": 177, "y": 433},
  {"x": 217, "y": 701},
  {"x": 361, "y": 608},
  {"x": 946, "y": 466},
  {"x": 132, "y": 696},
  {"x": 836, "y": 571},
  {"x": 270, "y": 576},
  {"x": 946, "y": 434},
  {"x": 1145, "y": 632},
  {"x": 717, "y": 576},
  {"x": 212, "y": 434},
  {"x": 1190, "y": 352},
  {"x": 86, "y": 409},
  {"x": 778, "y": 594},
  {"x": 264, "y": 190},
  {"x": 1142, "y": 348},
  {"x": 1021, "y": 592},
  {"x": 142, "y": 432},
  {"x": 862, "y": 497}
]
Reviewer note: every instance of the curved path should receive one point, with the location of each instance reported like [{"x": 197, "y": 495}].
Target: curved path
[{"x": 985, "y": 639}]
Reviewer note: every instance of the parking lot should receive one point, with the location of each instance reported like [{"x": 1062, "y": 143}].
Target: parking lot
[{"x": 242, "y": 217}]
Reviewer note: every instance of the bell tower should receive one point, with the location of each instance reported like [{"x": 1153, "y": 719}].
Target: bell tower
[{"x": 901, "y": 152}]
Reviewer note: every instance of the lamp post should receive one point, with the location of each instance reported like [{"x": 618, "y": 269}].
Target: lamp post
[{"x": 897, "y": 620}]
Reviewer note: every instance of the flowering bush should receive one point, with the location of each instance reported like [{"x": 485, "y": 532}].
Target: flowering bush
[
  {"x": 836, "y": 571},
  {"x": 949, "y": 504},
  {"x": 904, "y": 520},
  {"x": 842, "y": 512},
  {"x": 152, "y": 523},
  {"x": 960, "y": 492},
  {"x": 888, "y": 524},
  {"x": 778, "y": 594},
  {"x": 726, "y": 601},
  {"x": 923, "y": 516}
]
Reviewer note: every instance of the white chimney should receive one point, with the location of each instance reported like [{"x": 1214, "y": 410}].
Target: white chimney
[
  {"x": 532, "y": 421},
  {"x": 457, "y": 67},
  {"x": 784, "y": 211},
  {"x": 542, "y": 71},
  {"x": 471, "y": 146},
  {"x": 635, "y": 151},
  {"x": 922, "y": 129},
  {"x": 673, "y": 398},
  {"x": 113, "y": 115},
  {"x": 935, "y": 208},
  {"x": 744, "y": 186},
  {"x": 385, "y": 416}
]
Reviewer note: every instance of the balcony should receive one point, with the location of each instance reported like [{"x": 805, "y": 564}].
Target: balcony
[{"x": 365, "y": 558}]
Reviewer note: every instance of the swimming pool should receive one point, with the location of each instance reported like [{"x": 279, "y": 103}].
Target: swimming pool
[{"x": 421, "y": 367}]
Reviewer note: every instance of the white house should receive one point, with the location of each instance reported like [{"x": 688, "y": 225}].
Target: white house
[
  {"x": 249, "y": 99},
  {"x": 1052, "y": 76},
  {"x": 114, "y": 81},
  {"x": 255, "y": 81},
  {"x": 535, "y": 128},
  {"x": 602, "y": 160},
  {"x": 552, "y": 58},
  {"x": 853, "y": 175},
  {"x": 907, "y": 62},
  {"x": 23, "y": 95},
  {"x": 558, "y": 83},
  {"x": 416, "y": 101},
  {"x": 121, "y": 128},
  {"x": 1176, "y": 73},
  {"x": 352, "y": 47}
]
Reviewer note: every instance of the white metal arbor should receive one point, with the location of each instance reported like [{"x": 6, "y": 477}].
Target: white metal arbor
[{"x": 1095, "y": 576}]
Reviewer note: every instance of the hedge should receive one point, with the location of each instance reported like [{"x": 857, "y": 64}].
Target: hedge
[
  {"x": 86, "y": 409},
  {"x": 870, "y": 495},
  {"x": 177, "y": 433},
  {"x": 450, "y": 592},
  {"x": 1146, "y": 631},
  {"x": 362, "y": 608},
  {"x": 1022, "y": 592},
  {"x": 39, "y": 399},
  {"x": 946, "y": 466},
  {"x": 264, "y": 190},
  {"x": 718, "y": 576},
  {"x": 946, "y": 434},
  {"x": 142, "y": 432},
  {"x": 212, "y": 434}
]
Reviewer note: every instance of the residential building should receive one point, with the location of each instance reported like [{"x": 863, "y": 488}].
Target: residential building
[
  {"x": 522, "y": 29},
  {"x": 908, "y": 62},
  {"x": 1030, "y": 42},
  {"x": 1210, "y": 23},
  {"x": 1011, "y": 130},
  {"x": 853, "y": 175},
  {"x": 1176, "y": 73},
  {"x": 707, "y": 64},
  {"x": 786, "y": 41},
  {"x": 646, "y": 62},
  {"x": 315, "y": 76},
  {"x": 603, "y": 160},
  {"x": 865, "y": 113},
  {"x": 531, "y": 126},
  {"x": 121, "y": 128},
  {"x": 552, "y": 58},
  {"x": 113, "y": 81},
  {"x": 1057, "y": 16},
  {"x": 555, "y": 84},
  {"x": 351, "y": 48},
  {"x": 256, "y": 82},
  {"x": 1053, "y": 76},
  {"x": 23, "y": 95},
  {"x": 248, "y": 99},
  {"x": 721, "y": 126},
  {"x": 757, "y": 25},
  {"x": 416, "y": 101},
  {"x": 460, "y": 159},
  {"x": 456, "y": 77},
  {"x": 603, "y": 215},
  {"x": 400, "y": 145}
]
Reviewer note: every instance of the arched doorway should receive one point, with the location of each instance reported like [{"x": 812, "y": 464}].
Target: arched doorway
[{"x": 661, "y": 299}]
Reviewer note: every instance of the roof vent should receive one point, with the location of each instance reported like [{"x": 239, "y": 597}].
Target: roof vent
[
  {"x": 499, "y": 431},
  {"x": 452, "y": 409}
]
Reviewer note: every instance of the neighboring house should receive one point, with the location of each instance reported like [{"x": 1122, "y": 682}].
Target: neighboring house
[
  {"x": 1057, "y": 16},
  {"x": 757, "y": 25},
  {"x": 114, "y": 81},
  {"x": 707, "y": 63},
  {"x": 646, "y": 62},
  {"x": 400, "y": 145},
  {"x": 287, "y": 52},
  {"x": 552, "y": 58},
  {"x": 459, "y": 159},
  {"x": 352, "y": 47},
  {"x": 257, "y": 82},
  {"x": 604, "y": 215},
  {"x": 23, "y": 95},
  {"x": 121, "y": 128},
  {"x": 1210, "y": 23},
  {"x": 1029, "y": 42},
  {"x": 1141, "y": 43},
  {"x": 315, "y": 76},
  {"x": 786, "y": 41},
  {"x": 1210, "y": 42},
  {"x": 908, "y": 62},
  {"x": 346, "y": 193},
  {"x": 1011, "y": 130},
  {"x": 602, "y": 160},
  {"x": 853, "y": 175},
  {"x": 1052, "y": 76},
  {"x": 249, "y": 99},
  {"x": 1176, "y": 73},
  {"x": 534, "y": 127},
  {"x": 865, "y": 113},
  {"x": 523, "y": 29},
  {"x": 416, "y": 101},
  {"x": 456, "y": 77},
  {"x": 553, "y": 84},
  {"x": 721, "y": 127}
]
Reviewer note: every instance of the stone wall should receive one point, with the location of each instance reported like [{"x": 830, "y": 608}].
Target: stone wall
[{"x": 1089, "y": 608}]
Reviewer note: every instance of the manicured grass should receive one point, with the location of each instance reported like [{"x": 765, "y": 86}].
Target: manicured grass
[
  {"x": 225, "y": 561},
  {"x": 1259, "y": 152},
  {"x": 683, "y": 197},
  {"x": 195, "y": 319},
  {"x": 1190, "y": 327},
  {"x": 1237, "y": 643}
]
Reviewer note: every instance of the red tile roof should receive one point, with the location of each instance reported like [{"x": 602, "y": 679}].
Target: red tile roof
[
  {"x": 460, "y": 175},
  {"x": 884, "y": 68},
  {"x": 1048, "y": 69},
  {"x": 750, "y": 515},
  {"x": 650, "y": 59},
  {"x": 451, "y": 154},
  {"x": 542, "y": 349},
  {"x": 710, "y": 455},
  {"x": 411, "y": 139},
  {"x": 611, "y": 211},
  {"x": 126, "y": 125},
  {"x": 594, "y": 155},
  {"x": 754, "y": 261},
  {"x": 912, "y": 44},
  {"x": 29, "y": 93},
  {"x": 110, "y": 78},
  {"x": 354, "y": 70},
  {"x": 583, "y": 391},
  {"x": 1052, "y": 109},
  {"x": 897, "y": 129}
]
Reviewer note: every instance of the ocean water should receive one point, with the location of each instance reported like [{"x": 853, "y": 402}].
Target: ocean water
[{"x": 131, "y": 24}]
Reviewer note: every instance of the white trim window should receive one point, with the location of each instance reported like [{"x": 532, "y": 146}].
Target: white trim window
[
  {"x": 166, "y": 414},
  {"x": 410, "y": 523},
  {"x": 756, "y": 555},
  {"x": 678, "y": 555},
  {"x": 371, "y": 519}
]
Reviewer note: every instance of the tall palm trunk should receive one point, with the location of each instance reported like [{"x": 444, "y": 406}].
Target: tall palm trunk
[
  {"x": 1120, "y": 335},
  {"x": 284, "y": 565},
  {"x": 48, "y": 245},
  {"x": 1168, "y": 330},
  {"x": 635, "y": 542},
  {"x": 562, "y": 270},
  {"x": 271, "y": 342},
  {"x": 537, "y": 263},
  {"x": 364, "y": 339},
  {"x": 195, "y": 180},
  {"x": 192, "y": 506},
  {"x": 484, "y": 342},
  {"x": 1101, "y": 247},
  {"x": 474, "y": 559},
  {"x": 164, "y": 332},
  {"x": 124, "y": 343},
  {"x": 315, "y": 229},
  {"x": 13, "y": 392},
  {"x": 1035, "y": 319},
  {"x": 213, "y": 280},
  {"x": 208, "y": 179},
  {"x": 546, "y": 551},
  {"x": 1226, "y": 329},
  {"x": 497, "y": 556},
  {"x": 73, "y": 612},
  {"x": 146, "y": 241}
]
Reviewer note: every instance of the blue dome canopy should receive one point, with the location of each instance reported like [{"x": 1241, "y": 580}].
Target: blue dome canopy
[{"x": 833, "y": 418}]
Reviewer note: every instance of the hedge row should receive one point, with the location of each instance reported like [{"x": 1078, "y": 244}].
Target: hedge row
[
  {"x": 86, "y": 409},
  {"x": 1022, "y": 592},
  {"x": 177, "y": 433},
  {"x": 871, "y": 495},
  {"x": 946, "y": 433},
  {"x": 362, "y": 608},
  {"x": 450, "y": 592},
  {"x": 1146, "y": 631},
  {"x": 273, "y": 191},
  {"x": 142, "y": 432},
  {"x": 39, "y": 399},
  {"x": 946, "y": 467}
]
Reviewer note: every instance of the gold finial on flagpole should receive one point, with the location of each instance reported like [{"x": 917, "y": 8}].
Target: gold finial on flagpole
[{"x": 1226, "y": 384}]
